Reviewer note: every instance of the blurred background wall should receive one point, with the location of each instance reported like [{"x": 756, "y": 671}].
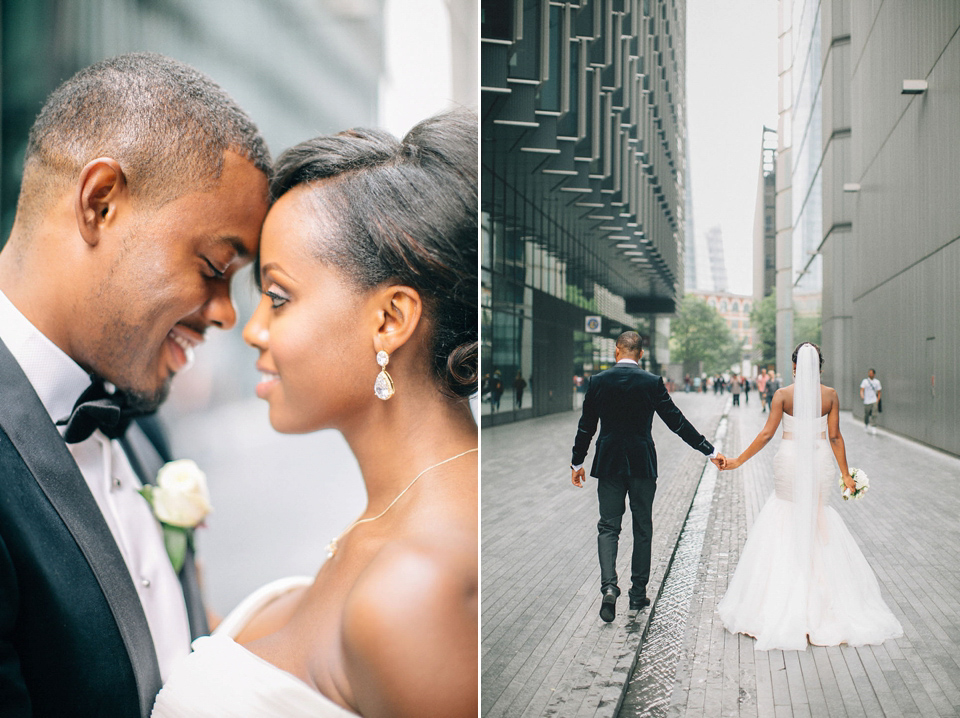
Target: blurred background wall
[{"x": 300, "y": 68}]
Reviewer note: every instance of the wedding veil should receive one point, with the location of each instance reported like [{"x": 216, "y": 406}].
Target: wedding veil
[{"x": 806, "y": 429}]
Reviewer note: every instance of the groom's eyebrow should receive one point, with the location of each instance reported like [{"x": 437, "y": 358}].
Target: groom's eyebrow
[{"x": 236, "y": 244}]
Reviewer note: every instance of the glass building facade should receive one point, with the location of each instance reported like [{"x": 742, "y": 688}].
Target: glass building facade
[{"x": 582, "y": 192}]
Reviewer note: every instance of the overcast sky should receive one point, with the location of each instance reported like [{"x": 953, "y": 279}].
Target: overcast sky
[{"x": 731, "y": 94}]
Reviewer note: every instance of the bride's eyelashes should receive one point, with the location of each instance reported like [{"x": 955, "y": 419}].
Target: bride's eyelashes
[{"x": 278, "y": 297}]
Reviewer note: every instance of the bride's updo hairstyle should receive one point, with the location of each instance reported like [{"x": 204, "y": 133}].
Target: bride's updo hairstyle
[
  {"x": 797, "y": 351},
  {"x": 402, "y": 212}
]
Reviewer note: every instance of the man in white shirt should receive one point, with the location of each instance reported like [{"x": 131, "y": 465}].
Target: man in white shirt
[
  {"x": 144, "y": 190},
  {"x": 870, "y": 392}
]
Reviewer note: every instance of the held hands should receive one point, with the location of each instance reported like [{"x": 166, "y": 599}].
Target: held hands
[
  {"x": 718, "y": 461},
  {"x": 727, "y": 464},
  {"x": 578, "y": 477}
]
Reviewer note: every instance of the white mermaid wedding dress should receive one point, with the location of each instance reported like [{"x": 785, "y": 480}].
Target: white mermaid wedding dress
[
  {"x": 801, "y": 576},
  {"x": 222, "y": 679}
]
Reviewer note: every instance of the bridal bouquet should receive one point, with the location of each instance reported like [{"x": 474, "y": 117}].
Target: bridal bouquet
[{"x": 862, "y": 484}]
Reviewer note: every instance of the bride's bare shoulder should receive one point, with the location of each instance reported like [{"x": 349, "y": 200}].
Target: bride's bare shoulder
[
  {"x": 829, "y": 394},
  {"x": 410, "y": 630}
]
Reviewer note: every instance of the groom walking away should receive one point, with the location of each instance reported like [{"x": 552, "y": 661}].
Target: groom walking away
[
  {"x": 144, "y": 189},
  {"x": 624, "y": 399}
]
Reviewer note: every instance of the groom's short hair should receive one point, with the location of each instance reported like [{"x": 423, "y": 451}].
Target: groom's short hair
[
  {"x": 630, "y": 342},
  {"x": 166, "y": 123}
]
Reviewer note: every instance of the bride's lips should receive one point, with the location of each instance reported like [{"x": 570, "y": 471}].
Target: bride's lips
[
  {"x": 180, "y": 343},
  {"x": 268, "y": 380}
]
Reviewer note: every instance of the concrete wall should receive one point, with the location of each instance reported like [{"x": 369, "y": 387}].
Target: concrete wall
[{"x": 894, "y": 277}]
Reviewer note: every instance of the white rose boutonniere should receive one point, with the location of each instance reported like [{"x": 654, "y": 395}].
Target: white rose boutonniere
[{"x": 181, "y": 502}]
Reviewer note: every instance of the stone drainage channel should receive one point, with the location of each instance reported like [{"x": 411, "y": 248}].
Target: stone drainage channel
[{"x": 648, "y": 692}]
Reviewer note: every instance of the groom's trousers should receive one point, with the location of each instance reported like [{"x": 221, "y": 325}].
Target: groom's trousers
[{"x": 612, "y": 493}]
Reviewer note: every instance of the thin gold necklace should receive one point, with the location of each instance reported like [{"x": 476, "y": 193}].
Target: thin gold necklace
[{"x": 334, "y": 544}]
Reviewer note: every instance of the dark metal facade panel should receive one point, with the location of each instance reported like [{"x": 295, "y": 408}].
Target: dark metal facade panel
[{"x": 583, "y": 112}]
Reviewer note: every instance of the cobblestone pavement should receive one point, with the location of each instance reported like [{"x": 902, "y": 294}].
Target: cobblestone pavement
[
  {"x": 544, "y": 649},
  {"x": 909, "y": 531}
]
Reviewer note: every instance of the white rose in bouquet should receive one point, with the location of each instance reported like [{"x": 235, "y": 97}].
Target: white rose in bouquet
[{"x": 862, "y": 482}]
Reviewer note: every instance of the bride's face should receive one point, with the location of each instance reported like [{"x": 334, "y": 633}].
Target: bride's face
[{"x": 311, "y": 327}]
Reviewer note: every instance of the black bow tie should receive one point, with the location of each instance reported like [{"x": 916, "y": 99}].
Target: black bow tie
[{"x": 97, "y": 409}]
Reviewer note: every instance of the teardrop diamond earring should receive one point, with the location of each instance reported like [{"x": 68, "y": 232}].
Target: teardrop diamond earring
[{"x": 383, "y": 386}]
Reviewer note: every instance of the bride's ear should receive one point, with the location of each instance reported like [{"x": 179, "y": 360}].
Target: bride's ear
[{"x": 399, "y": 309}]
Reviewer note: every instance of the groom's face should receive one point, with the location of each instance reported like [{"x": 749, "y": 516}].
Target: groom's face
[{"x": 168, "y": 281}]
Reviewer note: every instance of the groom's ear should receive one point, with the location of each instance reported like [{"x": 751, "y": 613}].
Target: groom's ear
[
  {"x": 398, "y": 312},
  {"x": 101, "y": 190}
]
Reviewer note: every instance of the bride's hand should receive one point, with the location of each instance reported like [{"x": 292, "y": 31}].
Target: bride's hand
[
  {"x": 729, "y": 464},
  {"x": 849, "y": 483}
]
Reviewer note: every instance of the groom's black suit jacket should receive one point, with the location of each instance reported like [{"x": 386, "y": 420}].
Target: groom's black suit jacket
[
  {"x": 74, "y": 639},
  {"x": 624, "y": 399}
]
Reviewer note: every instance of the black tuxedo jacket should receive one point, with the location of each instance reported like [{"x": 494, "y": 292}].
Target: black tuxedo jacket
[
  {"x": 624, "y": 399},
  {"x": 74, "y": 640}
]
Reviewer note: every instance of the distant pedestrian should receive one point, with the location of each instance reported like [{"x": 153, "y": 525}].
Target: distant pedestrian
[
  {"x": 496, "y": 390},
  {"x": 870, "y": 392},
  {"x": 762, "y": 389},
  {"x": 746, "y": 390},
  {"x": 519, "y": 384},
  {"x": 687, "y": 383},
  {"x": 773, "y": 383},
  {"x": 735, "y": 389}
]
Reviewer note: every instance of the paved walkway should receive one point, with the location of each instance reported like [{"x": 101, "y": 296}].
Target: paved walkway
[
  {"x": 544, "y": 650},
  {"x": 909, "y": 530}
]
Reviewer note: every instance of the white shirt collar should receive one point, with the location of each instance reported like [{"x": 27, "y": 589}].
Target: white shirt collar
[
  {"x": 625, "y": 360},
  {"x": 58, "y": 380}
]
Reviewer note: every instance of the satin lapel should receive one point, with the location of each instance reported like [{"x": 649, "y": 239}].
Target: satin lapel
[
  {"x": 147, "y": 461},
  {"x": 43, "y": 450}
]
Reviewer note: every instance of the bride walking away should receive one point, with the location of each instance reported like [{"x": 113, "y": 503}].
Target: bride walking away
[{"x": 801, "y": 576}]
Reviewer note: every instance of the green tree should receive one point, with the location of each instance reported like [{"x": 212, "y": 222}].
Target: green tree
[
  {"x": 763, "y": 318},
  {"x": 700, "y": 334},
  {"x": 807, "y": 329}
]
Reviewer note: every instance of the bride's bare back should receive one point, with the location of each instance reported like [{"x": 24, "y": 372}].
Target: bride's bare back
[{"x": 783, "y": 404}]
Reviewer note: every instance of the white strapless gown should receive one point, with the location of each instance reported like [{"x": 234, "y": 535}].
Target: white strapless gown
[
  {"x": 222, "y": 679},
  {"x": 843, "y": 604}
]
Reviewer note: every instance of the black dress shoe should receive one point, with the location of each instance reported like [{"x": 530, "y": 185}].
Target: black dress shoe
[
  {"x": 638, "y": 604},
  {"x": 608, "y": 607}
]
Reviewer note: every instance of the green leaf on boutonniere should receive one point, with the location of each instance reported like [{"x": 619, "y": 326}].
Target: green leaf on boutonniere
[{"x": 175, "y": 540}]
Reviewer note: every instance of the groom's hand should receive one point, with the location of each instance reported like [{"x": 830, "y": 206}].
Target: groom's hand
[
  {"x": 578, "y": 477},
  {"x": 719, "y": 461}
]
